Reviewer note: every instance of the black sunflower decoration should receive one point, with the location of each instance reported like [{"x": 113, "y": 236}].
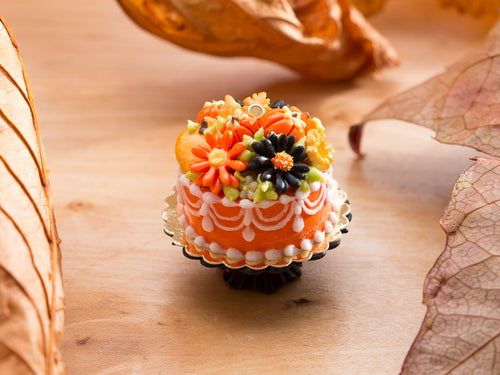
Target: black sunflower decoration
[{"x": 279, "y": 160}]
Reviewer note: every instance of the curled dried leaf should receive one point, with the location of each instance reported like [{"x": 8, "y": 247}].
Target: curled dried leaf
[
  {"x": 326, "y": 39},
  {"x": 368, "y": 7},
  {"x": 461, "y": 330},
  {"x": 476, "y": 8},
  {"x": 31, "y": 302},
  {"x": 461, "y": 105}
]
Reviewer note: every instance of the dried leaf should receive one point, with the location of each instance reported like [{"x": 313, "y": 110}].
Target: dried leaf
[
  {"x": 31, "y": 296},
  {"x": 326, "y": 39},
  {"x": 476, "y": 8},
  {"x": 462, "y": 104},
  {"x": 368, "y": 7},
  {"x": 461, "y": 330}
]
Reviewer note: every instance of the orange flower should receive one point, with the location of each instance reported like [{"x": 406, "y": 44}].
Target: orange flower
[
  {"x": 260, "y": 98},
  {"x": 218, "y": 162}
]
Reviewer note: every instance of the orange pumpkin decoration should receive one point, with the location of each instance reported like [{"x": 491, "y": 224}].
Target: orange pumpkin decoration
[
  {"x": 277, "y": 120},
  {"x": 241, "y": 127},
  {"x": 209, "y": 110}
]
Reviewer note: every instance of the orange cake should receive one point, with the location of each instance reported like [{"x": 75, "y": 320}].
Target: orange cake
[{"x": 255, "y": 185}]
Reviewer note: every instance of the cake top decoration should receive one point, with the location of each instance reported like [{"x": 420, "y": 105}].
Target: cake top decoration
[{"x": 253, "y": 149}]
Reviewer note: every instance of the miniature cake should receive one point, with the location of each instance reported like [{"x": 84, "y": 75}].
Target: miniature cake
[{"x": 255, "y": 185}]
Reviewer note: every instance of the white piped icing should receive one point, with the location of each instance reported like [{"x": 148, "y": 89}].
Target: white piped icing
[
  {"x": 216, "y": 248},
  {"x": 330, "y": 197},
  {"x": 336, "y": 205},
  {"x": 208, "y": 224},
  {"x": 247, "y": 219},
  {"x": 301, "y": 195},
  {"x": 248, "y": 234},
  {"x": 193, "y": 189},
  {"x": 182, "y": 221},
  {"x": 298, "y": 224},
  {"x": 235, "y": 254},
  {"x": 246, "y": 203},
  {"x": 306, "y": 245},
  {"x": 203, "y": 210},
  {"x": 191, "y": 233},
  {"x": 298, "y": 209},
  {"x": 315, "y": 186},
  {"x": 328, "y": 227},
  {"x": 319, "y": 236},
  {"x": 226, "y": 202},
  {"x": 273, "y": 254},
  {"x": 284, "y": 199},
  {"x": 254, "y": 256},
  {"x": 334, "y": 218},
  {"x": 200, "y": 241},
  {"x": 291, "y": 251}
]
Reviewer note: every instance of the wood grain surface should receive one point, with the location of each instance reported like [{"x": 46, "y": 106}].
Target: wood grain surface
[{"x": 110, "y": 100}]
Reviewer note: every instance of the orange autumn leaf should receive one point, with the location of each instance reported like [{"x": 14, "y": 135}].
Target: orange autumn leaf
[
  {"x": 31, "y": 293},
  {"x": 368, "y": 7},
  {"x": 476, "y": 8},
  {"x": 326, "y": 39},
  {"x": 460, "y": 333},
  {"x": 462, "y": 105}
]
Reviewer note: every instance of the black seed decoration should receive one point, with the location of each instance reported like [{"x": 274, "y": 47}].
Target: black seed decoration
[
  {"x": 279, "y": 104},
  {"x": 267, "y": 175},
  {"x": 273, "y": 138},
  {"x": 300, "y": 168},
  {"x": 203, "y": 126},
  {"x": 267, "y": 150},
  {"x": 282, "y": 143},
  {"x": 240, "y": 102},
  {"x": 291, "y": 142},
  {"x": 280, "y": 184},
  {"x": 292, "y": 180}
]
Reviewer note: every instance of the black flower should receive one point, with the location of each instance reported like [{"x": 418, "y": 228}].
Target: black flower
[{"x": 279, "y": 161}]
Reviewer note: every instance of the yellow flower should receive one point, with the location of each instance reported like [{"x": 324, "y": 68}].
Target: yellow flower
[{"x": 319, "y": 149}]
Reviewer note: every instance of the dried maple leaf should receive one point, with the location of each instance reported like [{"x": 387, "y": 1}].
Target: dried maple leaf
[
  {"x": 462, "y": 104},
  {"x": 31, "y": 296},
  {"x": 475, "y": 7},
  {"x": 326, "y": 39},
  {"x": 461, "y": 330}
]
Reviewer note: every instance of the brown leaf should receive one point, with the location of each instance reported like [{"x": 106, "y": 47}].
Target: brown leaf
[
  {"x": 368, "y": 7},
  {"x": 326, "y": 39},
  {"x": 476, "y": 8},
  {"x": 31, "y": 295},
  {"x": 461, "y": 330},
  {"x": 462, "y": 104}
]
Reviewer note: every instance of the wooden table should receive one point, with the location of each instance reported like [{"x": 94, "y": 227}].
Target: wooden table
[{"x": 110, "y": 100}]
